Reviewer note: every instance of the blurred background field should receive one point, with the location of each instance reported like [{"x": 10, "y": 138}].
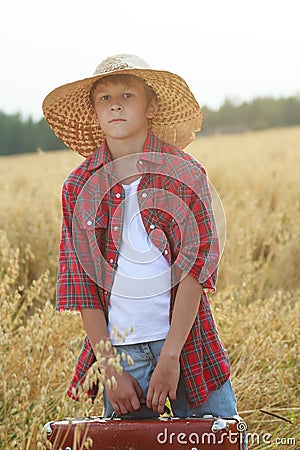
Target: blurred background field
[{"x": 256, "y": 306}]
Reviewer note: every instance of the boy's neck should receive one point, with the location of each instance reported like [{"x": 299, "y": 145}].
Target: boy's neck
[
  {"x": 125, "y": 168},
  {"x": 128, "y": 146}
]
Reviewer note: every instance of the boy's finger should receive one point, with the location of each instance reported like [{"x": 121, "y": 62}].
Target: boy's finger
[
  {"x": 138, "y": 388},
  {"x": 161, "y": 404},
  {"x": 135, "y": 403},
  {"x": 149, "y": 397},
  {"x": 129, "y": 405},
  {"x": 155, "y": 401},
  {"x": 116, "y": 408},
  {"x": 172, "y": 395},
  {"x": 124, "y": 408}
]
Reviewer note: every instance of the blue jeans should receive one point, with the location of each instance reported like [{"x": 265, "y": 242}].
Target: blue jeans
[{"x": 220, "y": 402}]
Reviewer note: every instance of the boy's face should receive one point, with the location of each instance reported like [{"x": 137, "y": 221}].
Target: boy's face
[{"x": 122, "y": 108}]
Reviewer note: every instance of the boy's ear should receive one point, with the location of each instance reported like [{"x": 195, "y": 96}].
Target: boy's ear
[
  {"x": 152, "y": 109},
  {"x": 95, "y": 117}
]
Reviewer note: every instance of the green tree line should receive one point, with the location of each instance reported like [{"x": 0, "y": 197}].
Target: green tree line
[
  {"x": 19, "y": 135},
  {"x": 260, "y": 113}
]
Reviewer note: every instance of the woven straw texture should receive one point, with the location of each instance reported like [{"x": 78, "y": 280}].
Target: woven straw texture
[{"x": 69, "y": 112}]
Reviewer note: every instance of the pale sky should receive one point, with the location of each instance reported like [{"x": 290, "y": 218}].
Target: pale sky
[{"x": 222, "y": 48}]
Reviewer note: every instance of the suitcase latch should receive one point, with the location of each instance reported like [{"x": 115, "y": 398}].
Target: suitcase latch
[
  {"x": 219, "y": 424},
  {"x": 48, "y": 428}
]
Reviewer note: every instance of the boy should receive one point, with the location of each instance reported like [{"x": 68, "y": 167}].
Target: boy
[{"x": 139, "y": 245}]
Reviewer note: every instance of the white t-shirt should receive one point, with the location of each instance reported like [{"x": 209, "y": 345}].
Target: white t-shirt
[{"x": 140, "y": 298}]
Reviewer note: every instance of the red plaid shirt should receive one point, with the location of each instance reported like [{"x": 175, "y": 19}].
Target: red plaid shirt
[{"x": 176, "y": 209}]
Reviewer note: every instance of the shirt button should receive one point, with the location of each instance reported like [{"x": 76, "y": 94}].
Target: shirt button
[
  {"x": 111, "y": 260},
  {"x": 118, "y": 195},
  {"x": 116, "y": 228},
  {"x": 166, "y": 252},
  {"x": 152, "y": 226},
  {"x": 140, "y": 162},
  {"x": 89, "y": 222},
  {"x": 144, "y": 195}
]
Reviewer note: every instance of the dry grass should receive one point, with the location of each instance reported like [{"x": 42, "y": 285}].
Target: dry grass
[{"x": 256, "y": 306}]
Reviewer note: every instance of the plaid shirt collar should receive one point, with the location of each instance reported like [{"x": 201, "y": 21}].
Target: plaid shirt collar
[{"x": 152, "y": 152}]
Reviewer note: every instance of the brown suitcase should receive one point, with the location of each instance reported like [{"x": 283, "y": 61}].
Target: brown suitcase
[{"x": 97, "y": 433}]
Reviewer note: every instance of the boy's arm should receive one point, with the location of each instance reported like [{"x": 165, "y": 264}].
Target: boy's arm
[
  {"x": 165, "y": 378},
  {"x": 126, "y": 396}
]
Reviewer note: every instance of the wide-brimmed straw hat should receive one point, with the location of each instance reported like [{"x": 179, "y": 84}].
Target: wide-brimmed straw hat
[{"x": 69, "y": 111}]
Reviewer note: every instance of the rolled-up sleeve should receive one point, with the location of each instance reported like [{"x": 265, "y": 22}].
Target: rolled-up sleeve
[
  {"x": 75, "y": 290},
  {"x": 199, "y": 253}
]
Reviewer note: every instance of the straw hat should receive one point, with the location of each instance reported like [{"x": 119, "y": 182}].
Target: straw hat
[{"x": 69, "y": 111}]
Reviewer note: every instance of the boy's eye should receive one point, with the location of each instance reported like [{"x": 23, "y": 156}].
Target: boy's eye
[
  {"x": 105, "y": 97},
  {"x": 127, "y": 94}
]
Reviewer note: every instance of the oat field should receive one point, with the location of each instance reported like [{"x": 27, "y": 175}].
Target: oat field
[{"x": 257, "y": 305}]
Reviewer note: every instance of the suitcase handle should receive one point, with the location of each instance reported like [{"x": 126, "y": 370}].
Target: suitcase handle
[{"x": 168, "y": 413}]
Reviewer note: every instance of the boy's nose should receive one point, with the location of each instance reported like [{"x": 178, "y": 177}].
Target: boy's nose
[{"x": 116, "y": 107}]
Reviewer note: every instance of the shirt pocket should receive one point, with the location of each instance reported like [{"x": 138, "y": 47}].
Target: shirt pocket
[
  {"x": 90, "y": 234},
  {"x": 89, "y": 221}
]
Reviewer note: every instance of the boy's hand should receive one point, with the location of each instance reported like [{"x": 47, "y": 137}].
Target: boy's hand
[
  {"x": 127, "y": 395},
  {"x": 163, "y": 383}
]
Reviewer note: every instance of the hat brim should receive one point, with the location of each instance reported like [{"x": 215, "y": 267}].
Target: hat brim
[{"x": 69, "y": 111}]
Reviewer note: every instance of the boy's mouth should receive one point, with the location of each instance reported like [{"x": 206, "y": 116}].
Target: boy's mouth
[{"x": 117, "y": 120}]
